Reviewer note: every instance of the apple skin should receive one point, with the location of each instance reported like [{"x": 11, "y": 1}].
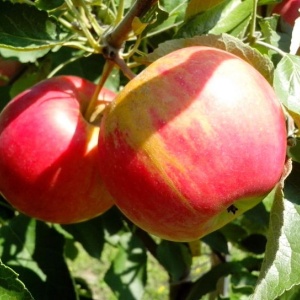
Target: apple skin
[
  {"x": 288, "y": 10},
  {"x": 197, "y": 131},
  {"x": 48, "y": 152},
  {"x": 8, "y": 70}
]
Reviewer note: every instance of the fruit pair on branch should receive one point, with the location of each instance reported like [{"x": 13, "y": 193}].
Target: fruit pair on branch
[{"x": 189, "y": 144}]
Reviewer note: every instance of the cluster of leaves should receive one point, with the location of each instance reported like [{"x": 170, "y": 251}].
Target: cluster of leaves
[{"x": 256, "y": 256}]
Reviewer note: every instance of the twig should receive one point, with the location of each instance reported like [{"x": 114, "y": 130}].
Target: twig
[{"x": 116, "y": 37}]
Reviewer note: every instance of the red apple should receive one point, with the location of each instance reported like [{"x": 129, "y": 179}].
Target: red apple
[
  {"x": 48, "y": 152},
  {"x": 192, "y": 142},
  {"x": 288, "y": 10},
  {"x": 8, "y": 70}
]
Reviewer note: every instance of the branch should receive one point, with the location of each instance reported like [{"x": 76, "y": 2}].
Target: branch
[{"x": 118, "y": 35}]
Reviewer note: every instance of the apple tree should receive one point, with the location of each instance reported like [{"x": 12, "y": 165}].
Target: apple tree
[{"x": 116, "y": 116}]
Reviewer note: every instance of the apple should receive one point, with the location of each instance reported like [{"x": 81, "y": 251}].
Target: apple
[
  {"x": 48, "y": 152},
  {"x": 288, "y": 10},
  {"x": 8, "y": 70},
  {"x": 192, "y": 142}
]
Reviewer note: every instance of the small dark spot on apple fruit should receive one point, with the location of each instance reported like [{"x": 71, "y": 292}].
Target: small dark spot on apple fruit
[{"x": 232, "y": 209}]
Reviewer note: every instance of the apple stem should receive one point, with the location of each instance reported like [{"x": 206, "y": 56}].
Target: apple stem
[
  {"x": 112, "y": 41},
  {"x": 124, "y": 67},
  {"x": 108, "y": 67},
  {"x": 271, "y": 47},
  {"x": 252, "y": 36}
]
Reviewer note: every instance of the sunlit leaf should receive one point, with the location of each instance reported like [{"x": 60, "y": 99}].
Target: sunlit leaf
[
  {"x": 280, "y": 269},
  {"x": 222, "y": 18},
  {"x": 127, "y": 274},
  {"x": 287, "y": 84}
]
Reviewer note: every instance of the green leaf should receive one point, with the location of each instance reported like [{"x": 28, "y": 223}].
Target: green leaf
[
  {"x": 127, "y": 273},
  {"x": 176, "y": 259},
  {"x": 271, "y": 36},
  {"x": 234, "y": 232},
  {"x": 256, "y": 220},
  {"x": 233, "y": 18},
  {"x": 11, "y": 288},
  {"x": 169, "y": 17},
  {"x": 24, "y": 27},
  {"x": 23, "y": 56},
  {"x": 197, "y": 6},
  {"x": 208, "y": 282},
  {"x": 255, "y": 243},
  {"x": 48, "y": 5},
  {"x": 221, "y": 18},
  {"x": 217, "y": 242},
  {"x": 224, "y": 42},
  {"x": 90, "y": 234},
  {"x": 280, "y": 268},
  {"x": 243, "y": 282},
  {"x": 292, "y": 294},
  {"x": 35, "y": 251},
  {"x": 287, "y": 84}
]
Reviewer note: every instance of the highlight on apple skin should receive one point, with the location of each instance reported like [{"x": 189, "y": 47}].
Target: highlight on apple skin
[
  {"x": 192, "y": 142},
  {"x": 48, "y": 152}
]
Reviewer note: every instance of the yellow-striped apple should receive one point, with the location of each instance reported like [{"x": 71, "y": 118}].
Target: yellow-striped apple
[
  {"x": 192, "y": 142},
  {"x": 48, "y": 152}
]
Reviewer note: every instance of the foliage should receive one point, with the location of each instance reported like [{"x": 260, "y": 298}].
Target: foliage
[{"x": 256, "y": 256}]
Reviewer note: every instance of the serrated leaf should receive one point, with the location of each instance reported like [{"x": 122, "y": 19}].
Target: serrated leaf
[
  {"x": 127, "y": 273},
  {"x": 271, "y": 36},
  {"x": 280, "y": 268},
  {"x": 23, "y": 56},
  {"x": 292, "y": 294},
  {"x": 287, "y": 84},
  {"x": 11, "y": 288},
  {"x": 224, "y": 42},
  {"x": 27, "y": 28}
]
